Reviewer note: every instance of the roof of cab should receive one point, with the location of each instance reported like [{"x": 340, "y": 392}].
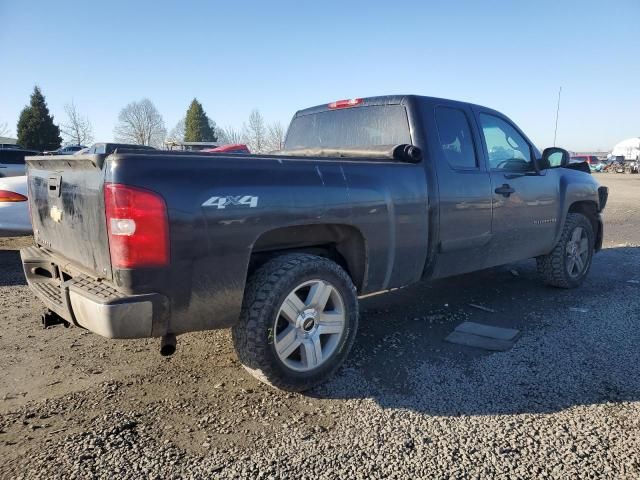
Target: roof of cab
[{"x": 384, "y": 100}]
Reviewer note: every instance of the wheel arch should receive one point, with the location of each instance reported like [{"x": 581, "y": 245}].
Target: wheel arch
[{"x": 341, "y": 243}]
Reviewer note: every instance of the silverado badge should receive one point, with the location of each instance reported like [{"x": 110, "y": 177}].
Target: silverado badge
[{"x": 56, "y": 214}]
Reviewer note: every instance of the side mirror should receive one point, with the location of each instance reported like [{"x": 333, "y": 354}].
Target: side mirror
[{"x": 554, "y": 157}]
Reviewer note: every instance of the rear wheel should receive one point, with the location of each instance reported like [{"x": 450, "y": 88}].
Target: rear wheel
[
  {"x": 298, "y": 322},
  {"x": 569, "y": 262}
]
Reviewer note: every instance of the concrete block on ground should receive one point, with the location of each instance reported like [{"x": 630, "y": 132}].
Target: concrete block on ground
[
  {"x": 487, "y": 337},
  {"x": 489, "y": 331}
]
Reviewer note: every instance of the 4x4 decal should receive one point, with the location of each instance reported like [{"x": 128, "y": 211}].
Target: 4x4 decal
[{"x": 232, "y": 201}]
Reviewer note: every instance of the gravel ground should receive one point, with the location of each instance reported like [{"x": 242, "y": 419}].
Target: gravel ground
[{"x": 563, "y": 403}]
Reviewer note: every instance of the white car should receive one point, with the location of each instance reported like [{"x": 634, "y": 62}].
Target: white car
[
  {"x": 14, "y": 209},
  {"x": 68, "y": 150},
  {"x": 12, "y": 160}
]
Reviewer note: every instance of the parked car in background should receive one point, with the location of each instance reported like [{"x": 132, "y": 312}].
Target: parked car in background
[
  {"x": 230, "y": 148},
  {"x": 190, "y": 146},
  {"x": 618, "y": 164},
  {"x": 108, "y": 148},
  {"x": 14, "y": 208},
  {"x": 12, "y": 160},
  {"x": 631, "y": 166},
  {"x": 66, "y": 150},
  {"x": 595, "y": 164},
  {"x": 590, "y": 159},
  {"x": 612, "y": 164}
]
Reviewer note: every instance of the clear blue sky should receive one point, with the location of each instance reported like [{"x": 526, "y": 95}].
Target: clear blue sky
[{"x": 280, "y": 56}]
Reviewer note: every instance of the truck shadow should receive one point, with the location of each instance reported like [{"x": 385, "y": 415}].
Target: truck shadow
[
  {"x": 11, "y": 269},
  {"x": 578, "y": 347}
]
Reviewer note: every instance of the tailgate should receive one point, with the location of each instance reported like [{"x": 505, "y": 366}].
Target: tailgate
[{"x": 67, "y": 209}]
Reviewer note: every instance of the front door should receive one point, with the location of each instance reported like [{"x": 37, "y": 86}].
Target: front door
[{"x": 525, "y": 201}]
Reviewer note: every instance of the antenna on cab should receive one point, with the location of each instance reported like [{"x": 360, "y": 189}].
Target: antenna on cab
[{"x": 555, "y": 132}]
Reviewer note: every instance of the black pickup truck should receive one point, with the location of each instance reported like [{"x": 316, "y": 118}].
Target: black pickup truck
[{"x": 367, "y": 195}]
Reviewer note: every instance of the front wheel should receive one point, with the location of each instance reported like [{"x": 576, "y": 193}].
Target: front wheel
[
  {"x": 298, "y": 321},
  {"x": 569, "y": 262}
]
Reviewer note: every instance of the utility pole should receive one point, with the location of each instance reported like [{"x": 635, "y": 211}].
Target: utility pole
[{"x": 555, "y": 133}]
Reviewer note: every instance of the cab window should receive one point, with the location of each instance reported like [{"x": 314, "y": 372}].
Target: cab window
[
  {"x": 507, "y": 149},
  {"x": 455, "y": 138}
]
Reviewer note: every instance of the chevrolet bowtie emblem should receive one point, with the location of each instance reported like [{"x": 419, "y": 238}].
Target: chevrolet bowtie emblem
[{"x": 56, "y": 214}]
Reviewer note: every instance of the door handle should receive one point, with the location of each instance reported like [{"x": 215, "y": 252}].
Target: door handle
[{"x": 505, "y": 190}]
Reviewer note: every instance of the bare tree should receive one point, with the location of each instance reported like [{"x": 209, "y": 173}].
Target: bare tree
[
  {"x": 177, "y": 133},
  {"x": 229, "y": 135},
  {"x": 140, "y": 123},
  {"x": 255, "y": 133},
  {"x": 221, "y": 135},
  {"x": 4, "y": 129},
  {"x": 275, "y": 137},
  {"x": 77, "y": 130}
]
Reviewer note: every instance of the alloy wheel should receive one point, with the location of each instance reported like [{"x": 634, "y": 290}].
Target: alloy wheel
[
  {"x": 309, "y": 325},
  {"x": 577, "y": 252}
]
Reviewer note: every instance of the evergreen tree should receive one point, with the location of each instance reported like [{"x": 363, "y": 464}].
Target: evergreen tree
[
  {"x": 36, "y": 129},
  {"x": 197, "y": 127}
]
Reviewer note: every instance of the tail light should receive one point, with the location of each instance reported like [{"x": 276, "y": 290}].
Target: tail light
[
  {"x": 8, "y": 196},
  {"x": 345, "y": 103},
  {"x": 138, "y": 227}
]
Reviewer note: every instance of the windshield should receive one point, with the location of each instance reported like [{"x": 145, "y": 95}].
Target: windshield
[{"x": 350, "y": 127}]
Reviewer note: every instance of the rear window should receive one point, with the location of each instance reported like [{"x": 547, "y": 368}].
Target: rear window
[
  {"x": 455, "y": 137},
  {"x": 350, "y": 127}
]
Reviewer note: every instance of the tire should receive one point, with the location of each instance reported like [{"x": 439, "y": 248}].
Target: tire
[
  {"x": 560, "y": 268},
  {"x": 285, "y": 338}
]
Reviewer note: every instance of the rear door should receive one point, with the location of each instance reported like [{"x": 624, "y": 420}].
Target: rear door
[
  {"x": 67, "y": 209},
  {"x": 525, "y": 202},
  {"x": 464, "y": 190}
]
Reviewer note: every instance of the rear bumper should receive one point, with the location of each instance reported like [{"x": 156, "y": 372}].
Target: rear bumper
[{"x": 93, "y": 304}]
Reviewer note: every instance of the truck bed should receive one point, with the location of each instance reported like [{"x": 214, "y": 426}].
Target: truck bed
[{"x": 224, "y": 207}]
